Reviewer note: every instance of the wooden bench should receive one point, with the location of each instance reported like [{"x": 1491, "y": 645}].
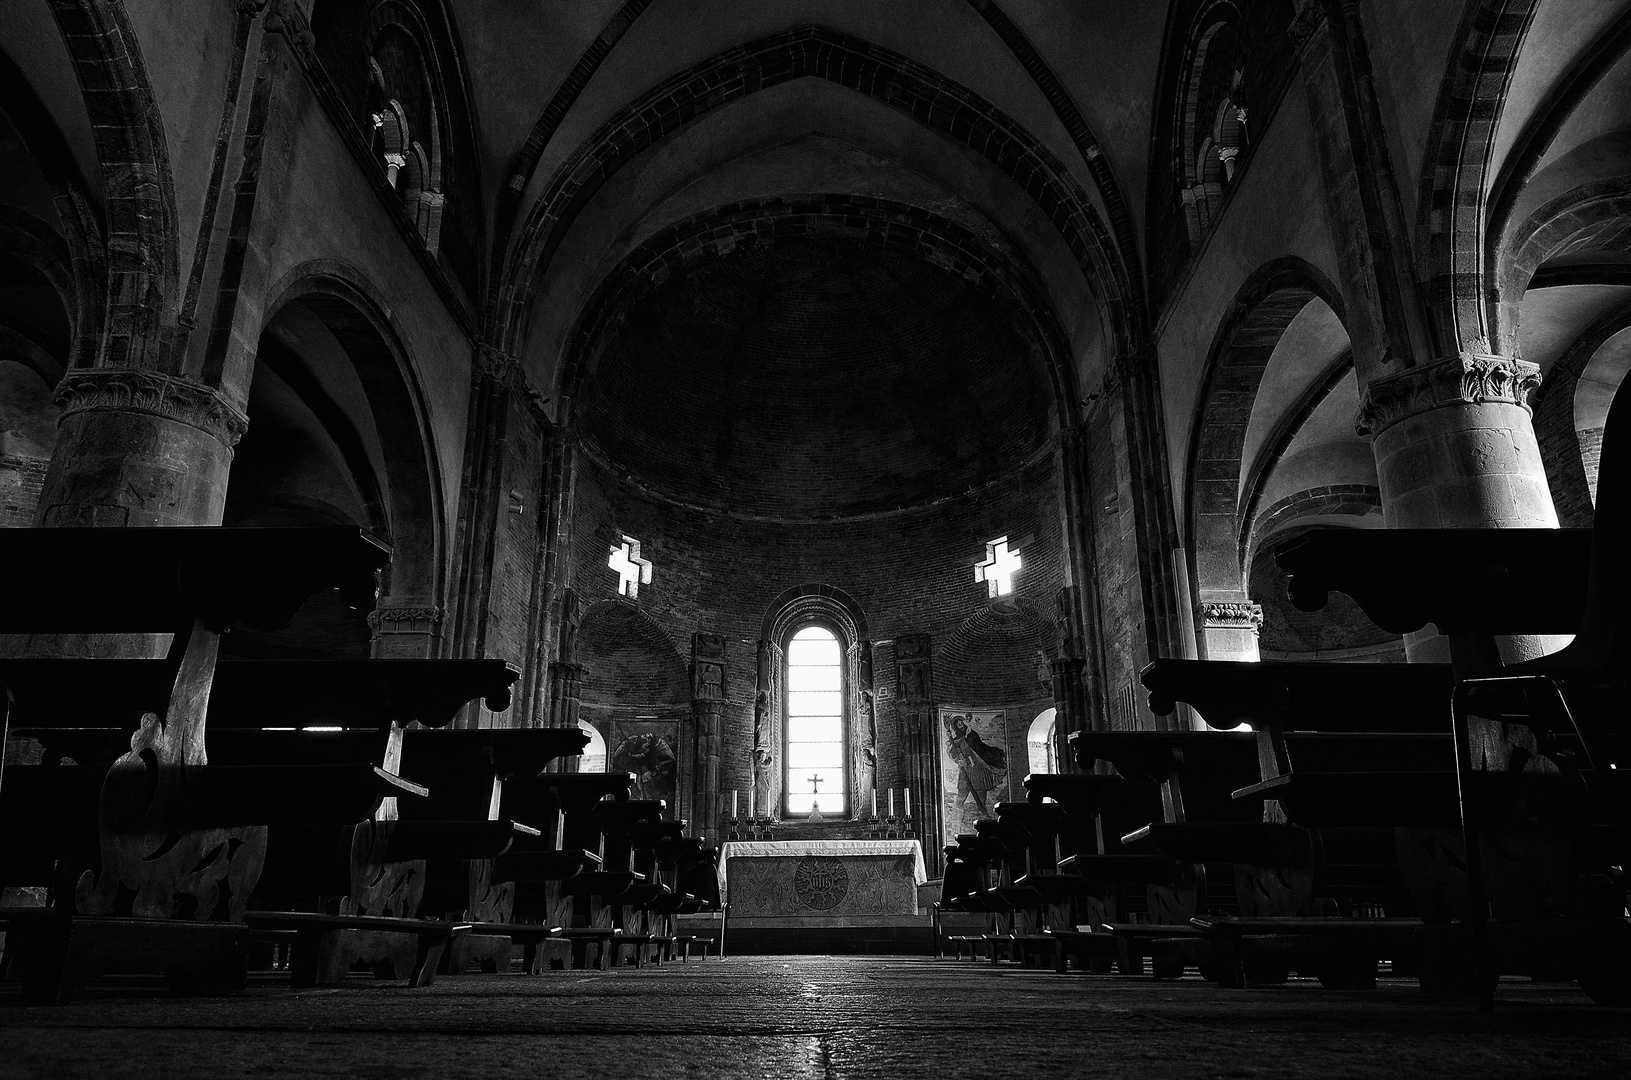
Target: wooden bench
[
  {"x": 326, "y": 946},
  {"x": 179, "y": 840}
]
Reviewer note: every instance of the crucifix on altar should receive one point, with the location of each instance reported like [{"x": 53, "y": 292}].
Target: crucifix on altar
[{"x": 815, "y": 798}]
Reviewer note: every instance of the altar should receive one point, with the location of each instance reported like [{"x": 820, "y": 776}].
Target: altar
[{"x": 820, "y": 879}]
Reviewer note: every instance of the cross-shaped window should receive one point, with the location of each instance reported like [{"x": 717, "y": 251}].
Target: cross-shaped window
[
  {"x": 632, "y": 570},
  {"x": 997, "y": 571}
]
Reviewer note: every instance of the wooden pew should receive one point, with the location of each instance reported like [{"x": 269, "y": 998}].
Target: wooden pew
[
  {"x": 1105, "y": 883},
  {"x": 179, "y": 849},
  {"x": 544, "y": 871},
  {"x": 1544, "y": 821}
]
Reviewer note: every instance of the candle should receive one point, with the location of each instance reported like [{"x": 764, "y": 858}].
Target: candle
[
  {"x": 874, "y": 802},
  {"x": 891, "y": 802},
  {"x": 734, "y": 793},
  {"x": 908, "y": 793},
  {"x": 751, "y": 792}
]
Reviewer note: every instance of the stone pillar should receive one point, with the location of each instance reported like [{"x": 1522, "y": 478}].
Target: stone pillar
[
  {"x": 707, "y": 711},
  {"x": 1455, "y": 448},
  {"x": 137, "y": 448},
  {"x": 766, "y": 737},
  {"x": 1229, "y": 628},
  {"x": 864, "y": 737},
  {"x": 1068, "y": 667},
  {"x": 914, "y": 689},
  {"x": 563, "y": 693}
]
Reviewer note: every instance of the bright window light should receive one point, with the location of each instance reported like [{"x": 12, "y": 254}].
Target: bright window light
[
  {"x": 632, "y": 570},
  {"x": 815, "y": 723},
  {"x": 1001, "y": 563}
]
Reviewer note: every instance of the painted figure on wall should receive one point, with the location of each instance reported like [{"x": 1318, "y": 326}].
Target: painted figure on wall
[
  {"x": 650, "y": 757},
  {"x": 975, "y": 766}
]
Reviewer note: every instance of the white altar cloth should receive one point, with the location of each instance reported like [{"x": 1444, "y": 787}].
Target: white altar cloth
[{"x": 792, "y": 848}]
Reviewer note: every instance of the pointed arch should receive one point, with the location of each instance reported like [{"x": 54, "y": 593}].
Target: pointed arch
[{"x": 817, "y": 52}]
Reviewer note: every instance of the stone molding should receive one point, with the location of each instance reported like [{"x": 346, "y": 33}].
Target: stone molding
[
  {"x": 1309, "y": 18},
  {"x": 1232, "y": 615},
  {"x": 405, "y": 620},
  {"x": 166, "y": 396},
  {"x": 1468, "y": 379}
]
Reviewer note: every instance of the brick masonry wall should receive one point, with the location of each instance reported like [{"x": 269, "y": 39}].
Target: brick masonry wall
[
  {"x": 910, "y": 572},
  {"x": 21, "y": 479}
]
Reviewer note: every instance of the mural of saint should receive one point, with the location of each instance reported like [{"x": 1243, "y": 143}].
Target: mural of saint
[
  {"x": 650, "y": 758},
  {"x": 974, "y": 768}
]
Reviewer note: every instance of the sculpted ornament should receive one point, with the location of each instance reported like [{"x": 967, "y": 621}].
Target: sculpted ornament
[
  {"x": 165, "y": 396},
  {"x": 1232, "y": 615},
  {"x": 1471, "y": 378}
]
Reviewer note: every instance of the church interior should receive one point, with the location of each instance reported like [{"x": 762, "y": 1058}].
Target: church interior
[{"x": 825, "y": 537}]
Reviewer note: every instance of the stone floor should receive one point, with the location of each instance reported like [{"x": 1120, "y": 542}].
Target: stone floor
[{"x": 810, "y": 1016}]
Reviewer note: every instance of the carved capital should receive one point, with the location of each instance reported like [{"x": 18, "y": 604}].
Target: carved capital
[
  {"x": 1232, "y": 615},
  {"x": 405, "y": 620},
  {"x": 1469, "y": 379},
  {"x": 128, "y": 390}
]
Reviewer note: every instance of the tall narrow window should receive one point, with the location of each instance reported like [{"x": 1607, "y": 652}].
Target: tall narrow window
[{"x": 815, "y": 723}]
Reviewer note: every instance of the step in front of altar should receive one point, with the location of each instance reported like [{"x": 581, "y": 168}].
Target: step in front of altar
[{"x": 828, "y": 935}]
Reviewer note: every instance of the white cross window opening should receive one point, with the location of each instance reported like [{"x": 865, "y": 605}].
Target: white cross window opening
[
  {"x": 999, "y": 567},
  {"x": 632, "y": 570}
]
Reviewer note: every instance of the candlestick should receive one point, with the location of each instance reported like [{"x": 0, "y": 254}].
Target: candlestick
[
  {"x": 874, "y": 802},
  {"x": 908, "y": 793},
  {"x": 734, "y": 793},
  {"x": 891, "y": 802},
  {"x": 751, "y": 792}
]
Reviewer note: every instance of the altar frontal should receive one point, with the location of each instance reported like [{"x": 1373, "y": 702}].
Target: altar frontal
[{"x": 821, "y": 878}]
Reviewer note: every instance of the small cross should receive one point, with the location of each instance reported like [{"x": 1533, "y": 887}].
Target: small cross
[
  {"x": 632, "y": 570},
  {"x": 997, "y": 571},
  {"x": 815, "y": 785}
]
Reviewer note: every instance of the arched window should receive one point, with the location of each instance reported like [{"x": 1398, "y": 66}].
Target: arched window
[
  {"x": 816, "y": 764},
  {"x": 1041, "y": 755},
  {"x": 593, "y": 758}
]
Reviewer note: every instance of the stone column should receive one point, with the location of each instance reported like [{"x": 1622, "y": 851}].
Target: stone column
[
  {"x": 767, "y": 732},
  {"x": 914, "y": 689},
  {"x": 864, "y": 737},
  {"x": 563, "y": 693},
  {"x": 707, "y": 711},
  {"x": 1067, "y": 667},
  {"x": 137, "y": 448},
  {"x": 1455, "y": 448}
]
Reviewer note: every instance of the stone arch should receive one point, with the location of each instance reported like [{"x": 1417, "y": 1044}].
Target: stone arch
[
  {"x": 357, "y": 316},
  {"x": 142, "y": 257},
  {"x": 380, "y": 53},
  {"x": 815, "y": 52},
  {"x": 1040, "y": 744},
  {"x": 1212, "y": 49},
  {"x": 1529, "y": 148},
  {"x": 1257, "y": 318},
  {"x": 911, "y": 230},
  {"x": 549, "y": 120},
  {"x": 1460, "y": 146},
  {"x": 1568, "y": 451},
  {"x": 37, "y": 247},
  {"x": 998, "y": 656},
  {"x": 629, "y": 660},
  {"x": 1595, "y": 216}
]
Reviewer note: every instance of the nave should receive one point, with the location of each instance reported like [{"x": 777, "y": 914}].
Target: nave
[{"x": 828, "y": 1017}]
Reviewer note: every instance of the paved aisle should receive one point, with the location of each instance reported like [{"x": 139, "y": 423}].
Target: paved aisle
[{"x": 812, "y": 1017}]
